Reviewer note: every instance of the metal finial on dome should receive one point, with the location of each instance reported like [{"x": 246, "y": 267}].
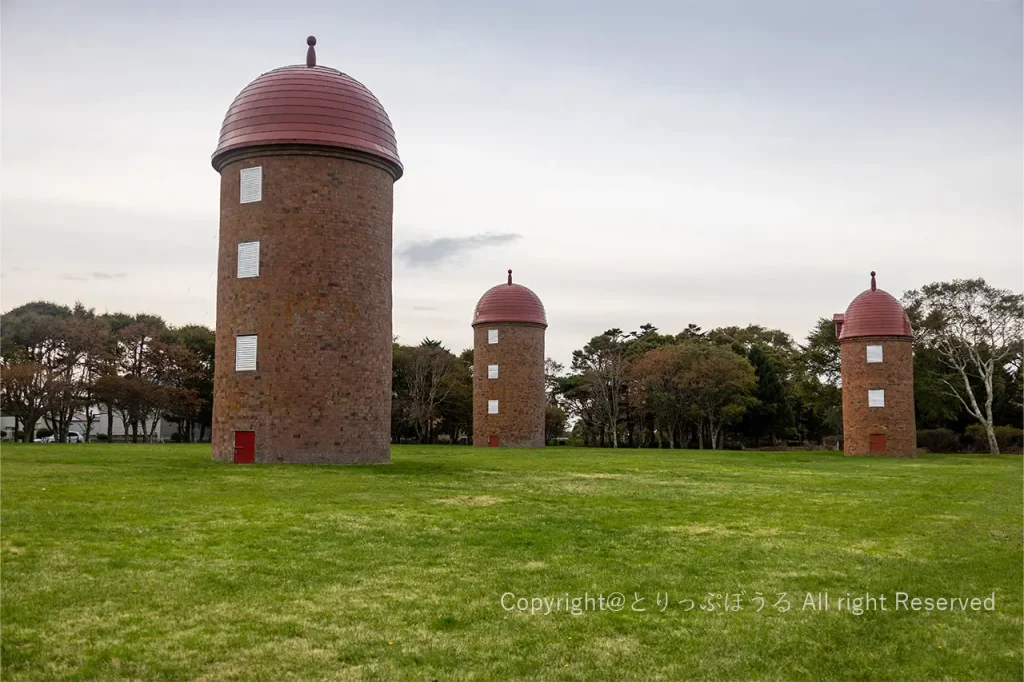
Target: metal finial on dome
[
  {"x": 311, "y": 51},
  {"x": 510, "y": 277},
  {"x": 872, "y": 280}
]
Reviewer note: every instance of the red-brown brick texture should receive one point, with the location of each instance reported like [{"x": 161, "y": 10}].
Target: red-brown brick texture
[
  {"x": 321, "y": 308},
  {"x": 519, "y": 387},
  {"x": 895, "y": 374}
]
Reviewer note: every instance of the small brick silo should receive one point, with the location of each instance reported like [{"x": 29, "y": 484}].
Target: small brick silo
[
  {"x": 877, "y": 367},
  {"x": 508, "y": 368},
  {"x": 308, "y": 161}
]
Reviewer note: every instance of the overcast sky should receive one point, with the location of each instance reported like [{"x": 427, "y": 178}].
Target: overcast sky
[{"x": 716, "y": 161}]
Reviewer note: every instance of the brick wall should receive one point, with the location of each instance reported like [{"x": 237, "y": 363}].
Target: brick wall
[
  {"x": 321, "y": 308},
  {"x": 895, "y": 374},
  {"x": 519, "y": 387}
]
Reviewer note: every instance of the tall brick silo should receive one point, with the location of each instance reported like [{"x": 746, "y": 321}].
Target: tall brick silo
[
  {"x": 508, "y": 368},
  {"x": 877, "y": 367},
  {"x": 308, "y": 161}
]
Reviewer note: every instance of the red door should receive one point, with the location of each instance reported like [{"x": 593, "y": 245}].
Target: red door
[
  {"x": 493, "y": 442},
  {"x": 877, "y": 443},
  {"x": 245, "y": 447}
]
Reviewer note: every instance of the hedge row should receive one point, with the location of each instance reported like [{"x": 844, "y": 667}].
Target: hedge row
[{"x": 1010, "y": 439}]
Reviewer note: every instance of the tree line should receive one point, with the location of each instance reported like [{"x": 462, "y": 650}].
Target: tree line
[
  {"x": 431, "y": 393},
  {"x": 727, "y": 387},
  {"x": 62, "y": 363},
  {"x": 752, "y": 386}
]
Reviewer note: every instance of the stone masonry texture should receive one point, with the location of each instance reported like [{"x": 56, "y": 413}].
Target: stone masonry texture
[
  {"x": 895, "y": 374},
  {"x": 519, "y": 387},
  {"x": 321, "y": 309}
]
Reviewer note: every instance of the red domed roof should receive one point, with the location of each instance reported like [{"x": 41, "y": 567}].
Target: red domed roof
[
  {"x": 509, "y": 303},
  {"x": 308, "y": 105},
  {"x": 873, "y": 313}
]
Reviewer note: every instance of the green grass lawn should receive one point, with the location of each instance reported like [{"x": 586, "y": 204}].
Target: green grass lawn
[{"x": 153, "y": 562}]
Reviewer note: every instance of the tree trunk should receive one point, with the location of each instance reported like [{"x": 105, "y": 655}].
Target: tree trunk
[
  {"x": 993, "y": 444},
  {"x": 110, "y": 423},
  {"x": 973, "y": 408},
  {"x": 30, "y": 429}
]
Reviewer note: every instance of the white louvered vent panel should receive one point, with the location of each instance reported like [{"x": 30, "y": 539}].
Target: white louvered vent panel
[
  {"x": 252, "y": 184},
  {"x": 876, "y": 397},
  {"x": 492, "y": 407},
  {"x": 492, "y": 336},
  {"x": 249, "y": 259},
  {"x": 245, "y": 353},
  {"x": 492, "y": 371},
  {"x": 874, "y": 353}
]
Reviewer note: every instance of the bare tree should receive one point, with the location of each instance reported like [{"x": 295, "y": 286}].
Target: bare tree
[
  {"x": 90, "y": 417},
  {"x": 575, "y": 395},
  {"x": 174, "y": 367},
  {"x": 976, "y": 330},
  {"x": 552, "y": 370},
  {"x": 24, "y": 393},
  {"x": 136, "y": 361},
  {"x": 430, "y": 369},
  {"x": 603, "y": 365},
  {"x": 73, "y": 341},
  {"x": 137, "y": 400}
]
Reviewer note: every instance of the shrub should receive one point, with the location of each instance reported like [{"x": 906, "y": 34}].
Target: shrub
[
  {"x": 938, "y": 440},
  {"x": 1009, "y": 438},
  {"x": 43, "y": 433},
  {"x": 175, "y": 437},
  {"x": 830, "y": 442},
  {"x": 102, "y": 437},
  {"x": 975, "y": 438}
]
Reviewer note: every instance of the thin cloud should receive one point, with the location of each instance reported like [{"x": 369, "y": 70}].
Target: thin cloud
[
  {"x": 84, "y": 277},
  {"x": 432, "y": 252}
]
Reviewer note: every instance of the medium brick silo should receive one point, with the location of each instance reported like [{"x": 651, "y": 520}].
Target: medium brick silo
[
  {"x": 308, "y": 161},
  {"x": 877, "y": 367},
  {"x": 508, "y": 368}
]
